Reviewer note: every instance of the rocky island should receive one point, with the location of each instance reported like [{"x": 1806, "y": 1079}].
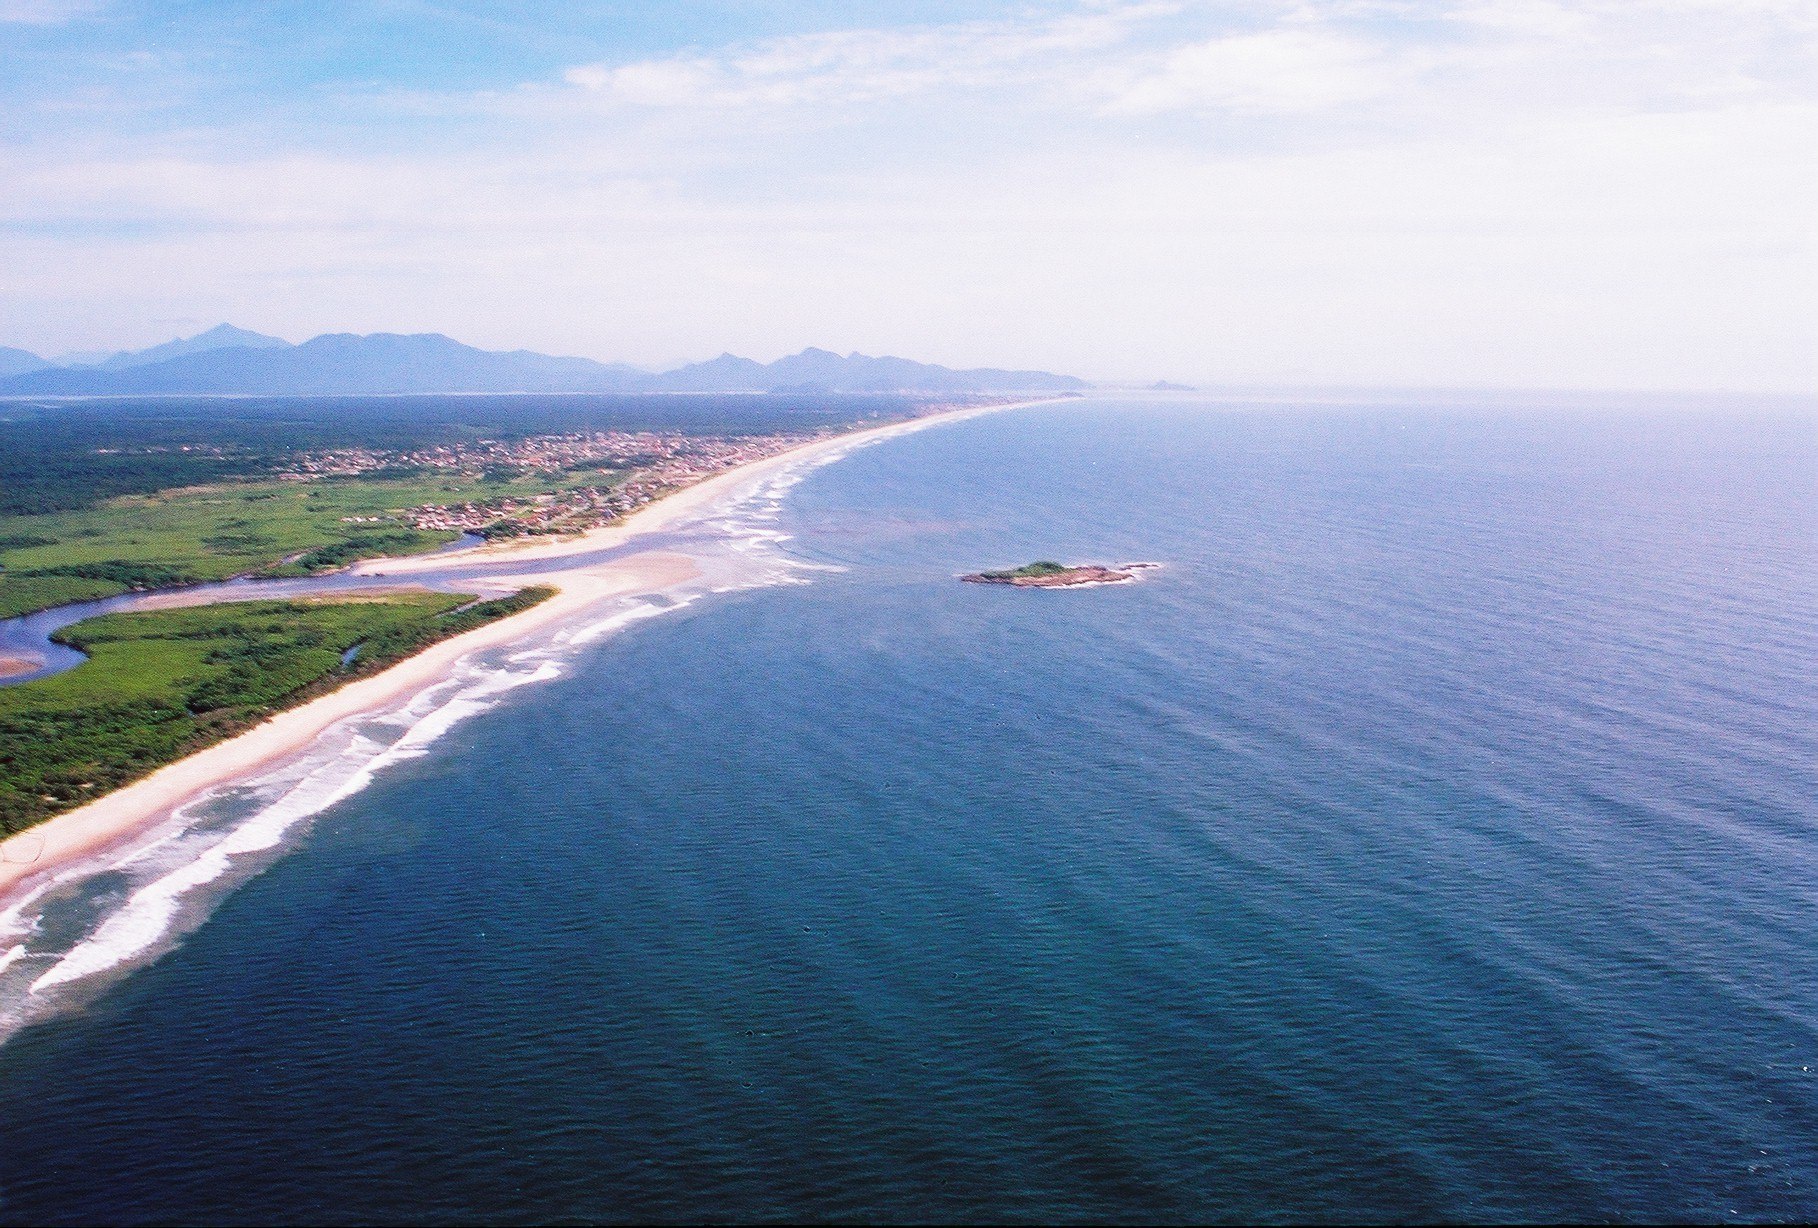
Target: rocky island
[{"x": 1049, "y": 574}]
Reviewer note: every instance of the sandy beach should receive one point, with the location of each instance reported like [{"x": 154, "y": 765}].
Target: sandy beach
[
  {"x": 678, "y": 506},
  {"x": 13, "y": 666},
  {"x": 127, "y": 813}
]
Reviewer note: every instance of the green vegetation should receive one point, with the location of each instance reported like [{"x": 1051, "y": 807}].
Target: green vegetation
[
  {"x": 197, "y": 533},
  {"x": 67, "y": 455},
  {"x": 105, "y": 495},
  {"x": 160, "y": 685},
  {"x": 23, "y": 594},
  {"x": 1045, "y": 567}
]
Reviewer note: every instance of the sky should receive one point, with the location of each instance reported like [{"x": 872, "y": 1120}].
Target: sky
[{"x": 1588, "y": 194}]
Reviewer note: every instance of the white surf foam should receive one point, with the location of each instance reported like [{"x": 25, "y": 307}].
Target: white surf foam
[
  {"x": 624, "y": 618},
  {"x": 14, "y": 922},
  {"x": 148, "y": 915}
]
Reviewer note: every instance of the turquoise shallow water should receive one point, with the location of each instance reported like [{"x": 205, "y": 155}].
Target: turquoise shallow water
[{"x": 1435, "y": 836}]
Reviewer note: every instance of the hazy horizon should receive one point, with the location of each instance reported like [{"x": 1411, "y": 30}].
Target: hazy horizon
[
  {"x": 1249, "y": 390},
  {"x": 1491, "y": 194}
]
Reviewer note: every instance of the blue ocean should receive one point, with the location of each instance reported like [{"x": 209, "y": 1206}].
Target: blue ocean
[{"x": 1433, "y": 836}]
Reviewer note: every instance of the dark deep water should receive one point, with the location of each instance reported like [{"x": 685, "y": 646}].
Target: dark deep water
[{"x": 1436, "y": 837}]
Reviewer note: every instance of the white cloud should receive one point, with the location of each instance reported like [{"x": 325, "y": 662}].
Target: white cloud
[
  {"x": 45, "y": 12},
  {"x": 1544, "y": 18},
  {"x": 1283, "y": 70},
  {"x": 869, "y": 64},
  {"x": 1438, "y": 62},
  {"x": 1481, "y": 193}
]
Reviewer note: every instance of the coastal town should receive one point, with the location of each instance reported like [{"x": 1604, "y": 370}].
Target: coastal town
[{"x": 601, "y": 475}]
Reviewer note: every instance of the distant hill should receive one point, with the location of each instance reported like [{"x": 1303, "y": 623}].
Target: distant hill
[
  {"x": 230, "y": 360},
  {"x": 220, "y": 337},
  {"x": 727, "y": 373},
  {"x": 825, "y": 371},
  {"x": 18, "y": 362},
  {"x": 336, "y": 363}
]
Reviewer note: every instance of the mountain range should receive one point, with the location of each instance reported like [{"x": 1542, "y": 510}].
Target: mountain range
[{"x": 226, "y": 359}]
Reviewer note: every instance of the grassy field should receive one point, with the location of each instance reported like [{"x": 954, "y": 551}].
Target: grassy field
[
  {"x": 198, "y": 533},
  {"x": 160, "y": 685}
]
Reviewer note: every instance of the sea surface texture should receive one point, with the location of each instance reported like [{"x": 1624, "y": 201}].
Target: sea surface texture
[{"x": 1433, "y": 836}]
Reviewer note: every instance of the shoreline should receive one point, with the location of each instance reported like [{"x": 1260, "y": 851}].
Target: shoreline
[
  {"x": 40, "y": 851},
  {"x": 660, "y": 515}
]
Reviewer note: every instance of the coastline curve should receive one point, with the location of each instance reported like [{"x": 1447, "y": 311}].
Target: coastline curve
[{"x": 185, "y": 837}]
